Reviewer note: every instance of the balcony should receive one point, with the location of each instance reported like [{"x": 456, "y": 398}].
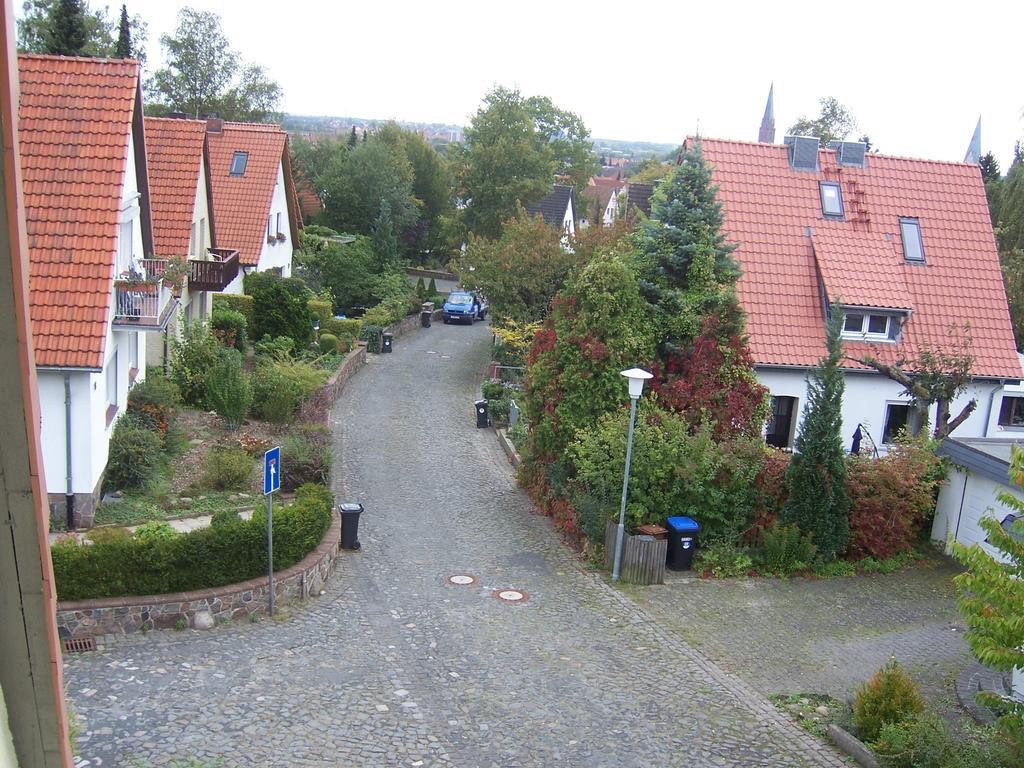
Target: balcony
[
  {"x": 144, "y": 303},
  {"x": 215, "y": 273}
]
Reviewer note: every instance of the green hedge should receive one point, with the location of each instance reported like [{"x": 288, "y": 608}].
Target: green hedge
[
  {"x": 341, "y": 328},
  {"x": 208, "y": 557},
  {"x": 236, "y": 303},
  {"x": 322, "y": 309}
]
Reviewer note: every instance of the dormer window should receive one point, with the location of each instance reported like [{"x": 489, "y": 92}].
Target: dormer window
[
  {"x": 910, "y": 233},
  {"x": 238, "y": 163},
  {"x": 860, "y": 326},
  {"x": 831, "y": 199}
]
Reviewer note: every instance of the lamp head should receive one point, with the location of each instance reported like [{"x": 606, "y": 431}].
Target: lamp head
[{"x": 636, "y": 377}]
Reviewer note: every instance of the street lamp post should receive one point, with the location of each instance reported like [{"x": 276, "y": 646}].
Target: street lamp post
[{"x": 636, "y": 377}]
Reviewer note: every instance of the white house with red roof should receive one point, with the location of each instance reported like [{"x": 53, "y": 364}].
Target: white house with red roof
[
  {"x": 93, "y": 297},
  {"x": 183, "y": 223},
  {"x": 906, "y": 246},
  {"x": 255, "y": 206}
]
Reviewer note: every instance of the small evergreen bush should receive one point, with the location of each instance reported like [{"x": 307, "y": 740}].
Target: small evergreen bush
[
  {"x": 724, "y": 559},
  {"x": 276, "y": 348},
  {"x": 308, "y": 457},
  {"x": 155, "y": 530},
  {"x": 922, "y": 741},
  {"x": 134, "y": 453},
  {"x": 321, "y": 309},
  {"x": 104, "y": 535},
  {"x": 328, "y": 344},
  {"x": 276, "y": 398},
  {"x": 228, "y": 469},
  {"x": 341, "y": 328},
  {"x": 432, "y": 287},
  {"x": 888, "y": 697},
  {"x": 280, "y": 307},
  {"x": 372, "y": 335},
  {"x": 228, "y": 390},
  {"x": 421, "y": 288},
  {"x": 230, "y": 328}
]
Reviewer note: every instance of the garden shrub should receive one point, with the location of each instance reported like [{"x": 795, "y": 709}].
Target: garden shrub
[
  {"x": 432, "y": 287},
  {"x": 192, "y": 358},
  {"x": 236, "y": 303},
  {"x": 228, "y": 390},
  {"x": 225, "y": 517},
  {"x": 772, "y": 492},
  {"x": 280, "y": 307},
  {"x": 134, "y": 453},
  {"x": 230, "y": 328},
  {"x": 922, "y": 741},
  {"x": 228, "y": 469},
  {"x": 152, "y": 402},
  {"x": 785, "y": 550},
  {"x": 328, "y": 344},
  {"x": 278, "y": 348},
  {"x": 724, "y": 559},
  {"x": 103, "y": 535},
  {"x": 892, "y": 497},
  {"x": 321, "y": 309},
  {"x": 204, "y": 558},
  {"x": 673, "y": 472},
  {"x": 276, "y": 398},
  {"x": 308, "y": 456},
  {"x": 421, "y": 287},
  {"x": 888, "y": 697},
  {"x": 492, "y": 390},
  {"x": 155, "y": 530},
  {"x": 341, "y": 328}
]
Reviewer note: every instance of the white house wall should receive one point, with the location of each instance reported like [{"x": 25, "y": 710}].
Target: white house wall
[
  {"x": 868, "y": 394},
  {"x": 279, "y": 253}
]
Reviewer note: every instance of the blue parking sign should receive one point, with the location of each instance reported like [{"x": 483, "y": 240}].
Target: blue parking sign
[{"x": 272, "y": 470}]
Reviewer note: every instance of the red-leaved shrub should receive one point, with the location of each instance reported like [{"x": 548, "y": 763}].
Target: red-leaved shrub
[
  {"x": 892, "y": 498},
  {"x": 771, "y": 487}
]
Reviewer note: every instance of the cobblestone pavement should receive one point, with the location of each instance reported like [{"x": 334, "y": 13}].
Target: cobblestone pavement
[
  {"x": 394, "y": 666},
  {"x": 821, "y": 636}
]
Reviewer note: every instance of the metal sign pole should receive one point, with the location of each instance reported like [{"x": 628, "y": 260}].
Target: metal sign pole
[{"x": 270, "y": 554}]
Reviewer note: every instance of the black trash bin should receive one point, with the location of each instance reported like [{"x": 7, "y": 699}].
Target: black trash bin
[
  {"x": 350, "y": 512},
  {"x": 481, "y": 414},
  {"x": 682, "y": 541},
  {"x": 386, "y": 340},
  {"x": 425, "y": 318}
]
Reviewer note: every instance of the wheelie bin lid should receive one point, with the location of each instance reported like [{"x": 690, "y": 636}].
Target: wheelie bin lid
[
  {"x": 350, "y": 506},
  {"x": 683, "y": 524}
]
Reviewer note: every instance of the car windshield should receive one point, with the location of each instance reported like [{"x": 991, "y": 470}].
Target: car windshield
[{"x": 460, "y": 298}]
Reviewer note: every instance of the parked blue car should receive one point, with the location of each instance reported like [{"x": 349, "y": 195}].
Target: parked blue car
[{"x": 463, "y": 306}]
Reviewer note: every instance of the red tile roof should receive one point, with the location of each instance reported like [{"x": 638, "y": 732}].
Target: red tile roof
[
  {"x": 309, "y": 203},
  {"x": 75, "y": 120},
  {"x": 174, "y": 153},
  {"x": 241, "y": 204},
  {"x": 601, "y": 188},
  {"x": 769, "y": 207}
]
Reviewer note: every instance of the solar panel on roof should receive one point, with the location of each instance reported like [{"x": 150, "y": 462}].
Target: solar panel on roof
[{"x": 803, "y": 152}]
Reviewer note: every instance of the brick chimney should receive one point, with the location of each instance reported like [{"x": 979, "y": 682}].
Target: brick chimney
[{"x": 214, "y": 125}]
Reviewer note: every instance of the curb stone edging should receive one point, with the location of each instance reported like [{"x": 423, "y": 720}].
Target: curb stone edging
[
  {"x": 508, "y": 447},
  {"x": 852, "y": 746}
]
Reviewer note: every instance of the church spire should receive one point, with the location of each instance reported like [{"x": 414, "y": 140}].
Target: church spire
[
  {"x": 974, "y": 148},
  {"x": 767, "y": 133}
]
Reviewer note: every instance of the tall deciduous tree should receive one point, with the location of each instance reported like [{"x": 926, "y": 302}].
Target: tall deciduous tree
[
  {"x": 513, "y": 149},
  {"x": 992, "y": 601},
  {"x": 834, "y": 121},
  {"x": 123, "y": 49},
  {"x": 356, "y": 181},
  {"x": 520, "y": 271},
  {"x": 203, "y": 75},
  {"x": 818, "y": 503}
]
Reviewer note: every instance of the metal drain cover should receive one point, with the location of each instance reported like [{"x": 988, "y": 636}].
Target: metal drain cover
[
  {"x": 510, "y": 595},
  {"x": 79, "y": 644},
  {"x": 461, "y": 579}
]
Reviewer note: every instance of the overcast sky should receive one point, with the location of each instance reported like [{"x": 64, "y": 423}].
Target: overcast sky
[{"x": 916, "y": 75}]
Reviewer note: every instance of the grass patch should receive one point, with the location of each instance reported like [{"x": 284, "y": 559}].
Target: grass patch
[
  {"x": 808, "y": 710},
  {"x": 137, "y": 509}
]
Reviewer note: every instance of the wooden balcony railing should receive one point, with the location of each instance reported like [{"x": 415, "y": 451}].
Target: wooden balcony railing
[{"x": 215, "y": 273}]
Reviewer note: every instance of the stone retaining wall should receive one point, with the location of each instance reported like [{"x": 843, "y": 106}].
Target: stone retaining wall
[
  {"x": 315, "y": 409},
  {"x": 411, "y": 323},
  {"x": 121, "y": 615}
]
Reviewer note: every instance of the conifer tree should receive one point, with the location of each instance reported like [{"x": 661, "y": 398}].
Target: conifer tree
[
  {"x": 384, "y": 238},
  {"x": 353, "y": 139},
  {"x": 68, "y": 34},
  {"x": 123, "y": 49},
  {"x": 819, "y": 504}
]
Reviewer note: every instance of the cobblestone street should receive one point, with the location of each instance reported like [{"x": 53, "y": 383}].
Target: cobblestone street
[{"x": 395, "y": 666}]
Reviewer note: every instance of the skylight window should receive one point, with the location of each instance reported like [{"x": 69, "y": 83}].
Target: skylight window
[
  {"x": 238, "y": 163},
  {"x": 862, "y": 325},
  {"x": 910, "y": 233},
  {"x": 831, "y": 199}
]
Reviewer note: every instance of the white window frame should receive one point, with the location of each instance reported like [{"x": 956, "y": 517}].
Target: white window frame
[
  {"x": 885, "y": 417},
  {"x": 999, "y": 416},
  {"x": 280, "y": 233},
  {"x": 865, "y": 334},
  {"x": 112, "y": 383},
  {"x": 271, "y": 235}
]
